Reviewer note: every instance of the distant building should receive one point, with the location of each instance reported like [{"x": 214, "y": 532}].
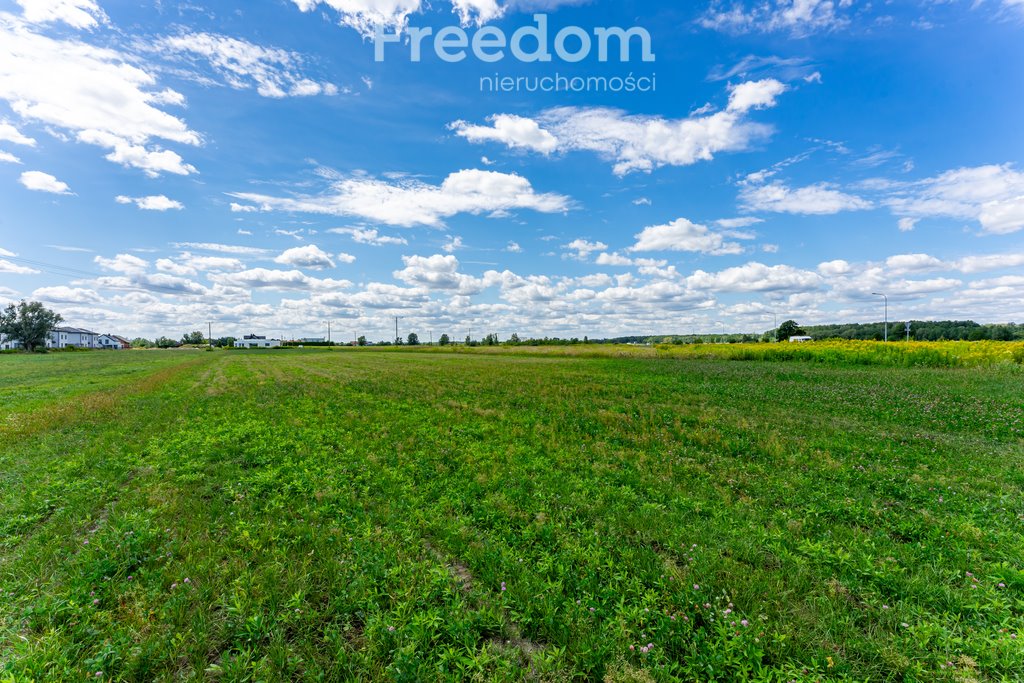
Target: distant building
[
  {"x": 64, "y": 337},
  {"x": 113, "y": 342},
  {"x": 8, "y": 344},
  {"x": 800, "y": 340},
  {"x": 252, "y": 341}
]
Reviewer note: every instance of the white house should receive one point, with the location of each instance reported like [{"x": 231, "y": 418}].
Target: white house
[
  {"x": 800, "y": 340},
  {"x": 63, "y": 337},
  {"x": 252, "y": 341},
  {"x": 8, "y": 344},
  {"x": 112, "y": 342}
]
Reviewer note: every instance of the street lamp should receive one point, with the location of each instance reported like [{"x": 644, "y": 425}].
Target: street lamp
[{"x": 886, "y": 312}]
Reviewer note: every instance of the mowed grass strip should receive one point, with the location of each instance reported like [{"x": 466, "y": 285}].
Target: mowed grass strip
[{"x": 372, "y": 516}]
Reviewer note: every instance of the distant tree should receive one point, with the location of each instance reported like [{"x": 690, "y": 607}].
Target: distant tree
[
  {"x": 789, "y": 329},
  {"x": 196, "y": 338},
  {"x": 469, "y": 340},
  {"x": 29, "y": 323},
  {"x": 514, "y": 339},
  {"x": 165, "y": 343},
  {"x": 141, "y": 343},
  {"x": 224, "y": 342},
  {"x": 414, "y": 339},
  {"x": 491, "y": 340},
  {"x": 361, "y": 341},
  {"x": 445, "y": 340}
]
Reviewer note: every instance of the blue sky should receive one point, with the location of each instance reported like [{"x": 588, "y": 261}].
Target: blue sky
[{"x": 252, "y": 164}]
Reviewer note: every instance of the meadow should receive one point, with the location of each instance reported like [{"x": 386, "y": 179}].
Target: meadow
[{"x": 619, "y": 514}]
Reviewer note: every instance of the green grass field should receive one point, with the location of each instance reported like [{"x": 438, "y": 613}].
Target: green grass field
[{"x": 341, "y": 515}]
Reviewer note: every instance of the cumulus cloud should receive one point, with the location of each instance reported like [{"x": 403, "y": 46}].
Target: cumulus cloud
[
  {"x": 633, "y": 142},
  {"x": 438, "y": 272},
  {"x": 991, "y": 195},
  {"x": 310, "y": 256},
  {"x": 516, "y": 132},
  {"x": 67, "y": 295},
  {"x": 684, "y": 235},
  {"x": 583, "y": 249},
  {"x": 410, "y": 202},
  {"x": 43, "y": 182},
  {"x": 99, "y": 95},
  {"x": 273, "y": 72},
  {"x": 122, "y": 263},
  {"x": 756, "y": 277},
  {"x": 8, "y": 158},
  {"x": 818, "y": 199},
  {"x": 263, "y": 278},
  {"x": 151, "y": 203}
]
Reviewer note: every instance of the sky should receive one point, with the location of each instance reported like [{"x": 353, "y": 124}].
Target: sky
[{"x": 542, "y": 167}]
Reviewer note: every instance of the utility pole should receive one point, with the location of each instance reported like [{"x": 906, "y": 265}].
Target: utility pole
[
  {"x": 908, "y": 330},
  {"x": 328, "y": 331},
  {"x": 397, "y": 338},
  {"x": 886, "y": 313},
  {"x": 209, "y": 333}
]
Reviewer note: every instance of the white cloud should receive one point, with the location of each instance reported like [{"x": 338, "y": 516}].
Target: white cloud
[
  {"x": 263, "y": 278},
  {"x": 81, "y": 14},
  {"x": 151, "y": 203},
  {"x": 583, "y": 249},
  {"x": 477, "y": 12},
  {"x": 4, "y": 252},
  {"x": 310, "y": 256},
  {"x": 631, "y": 142},
  {"x": 100, "y": 95},
  {"x": 978, "y": 264},
  {"x": 345, "y": 258},
  {"x": 439, "y": 272},
  {"x": 369, "y": 236},
  {"x": 364, "y": 15},
  {"x": 908, "y": 224},
  {"x": 910, "y": 263},
  {"x": 684, "y": 235},
  {"x": 738, "y": 223},
  {"x": 272, "y": 71},
  {"x": 992, "y": 195},
  {"x": 14, "y": 269},
  {"x": 513, "y": 248},
  {"x": 43, "y": 182},
  {"x": 516, "y": 132},
  {"x": 409, "y": 202},
  {"x": 222, "y": 248},
  {"x": 756, "y": 277},
  {"x": 755, "y": 95},
  {"x": 798, "y": 17},
  {"x": 242, "y": 208},
  {"x": 819, "y": 199},
  {"x": 9, "y": 158},
  {"x": 122, "y": 263},
  {"x": 152, "y": 162},
  {"x": 453, "y": 244},
  {"x": 8, "y": 133},
  {"x": 67, "y": 295}
]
